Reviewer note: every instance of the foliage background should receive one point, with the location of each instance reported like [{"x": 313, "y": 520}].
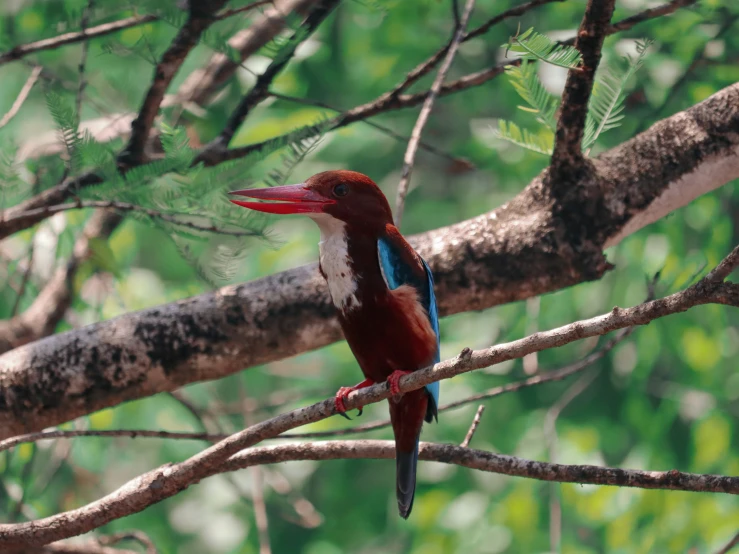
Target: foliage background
[{"x": 665, "y": 398}]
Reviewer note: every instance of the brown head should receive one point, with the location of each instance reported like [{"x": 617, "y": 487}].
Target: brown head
[{"x": 347, "y": 196}]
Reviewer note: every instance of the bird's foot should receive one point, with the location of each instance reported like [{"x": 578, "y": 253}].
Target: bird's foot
[
  {"x": 344, "y": 392},
  {"x": 393, "y": 381}
]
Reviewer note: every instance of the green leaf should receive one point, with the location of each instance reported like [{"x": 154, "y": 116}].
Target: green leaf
[
  {"x": 542, "y": 142},
  {"x": 64, "y": 116},
  {"x": 607, "y": 99},
  {"x": 534, "y": 46},
  {"x": 542, "y": 103}
]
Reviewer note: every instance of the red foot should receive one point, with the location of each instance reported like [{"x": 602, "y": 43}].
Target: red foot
[
  {"x": 343, "y": 392},
  {"x": 393, "y": 380}
]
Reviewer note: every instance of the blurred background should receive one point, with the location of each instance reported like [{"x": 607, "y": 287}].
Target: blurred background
[{"x": 666, "y": 397}]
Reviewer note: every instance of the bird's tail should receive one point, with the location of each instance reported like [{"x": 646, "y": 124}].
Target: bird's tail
[
  {"x": 407, "y": 417},
  {"x": 405, "y": 487}
]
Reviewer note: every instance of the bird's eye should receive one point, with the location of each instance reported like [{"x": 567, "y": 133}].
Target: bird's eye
[{"x": 341, "y": 190}]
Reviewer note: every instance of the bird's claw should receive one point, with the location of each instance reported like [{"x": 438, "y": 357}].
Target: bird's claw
[
  {"x": 341, "y": 394},
  {"x": 393, "y": 381}
]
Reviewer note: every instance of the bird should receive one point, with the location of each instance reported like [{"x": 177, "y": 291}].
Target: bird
[{"x": 383, "y": 291}]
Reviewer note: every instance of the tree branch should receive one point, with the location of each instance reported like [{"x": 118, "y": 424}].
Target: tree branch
[
  {"x": 545, "y": 377},
  {"x": 22, "y": 95},
  {"x": 260, "y": 90},
  {"x": 23, "y": 50},
  {"x": 487, "y": 461},
  {"x": 174, "y": 218},
  {"x": 202, "y": 15},
  {"x": 428, "y": 103},
  {"x": 202, "y": 84},
  {"x": 168, "y": 480},
  {"x": 74, "y": 521},
  {"x": 571, "y": 123},
  {"x": 473, "y": 426}
]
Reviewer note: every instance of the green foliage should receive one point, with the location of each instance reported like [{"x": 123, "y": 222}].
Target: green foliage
[
  {"x": 605, "y": 110},
  {"x": 541, "y": 142},
  {"x": 66, "y": 121},
  {"x": 11, "y": 183},
  {"x": 535, "y": 46},
  {"x": 540, "y": 101}
]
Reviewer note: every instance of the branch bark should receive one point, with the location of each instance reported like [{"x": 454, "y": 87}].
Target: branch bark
[
  {"x": 568, "y": 154},
  {"x": 531, "y": 245}
]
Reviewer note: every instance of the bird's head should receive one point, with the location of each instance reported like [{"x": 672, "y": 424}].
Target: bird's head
[{"x": 332, "y": 196}]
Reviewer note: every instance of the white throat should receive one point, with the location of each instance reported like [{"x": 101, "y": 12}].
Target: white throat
[{"x": 334, "y": 256}]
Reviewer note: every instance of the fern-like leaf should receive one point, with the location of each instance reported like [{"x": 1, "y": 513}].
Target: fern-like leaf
[
  {"x": 542, "y": 142},
  {"x": 540, "y": 101},
  {"x": 535, "y": 46},
  {"x": 64, "y": 117},
  {"x": 607, "y": 99}
]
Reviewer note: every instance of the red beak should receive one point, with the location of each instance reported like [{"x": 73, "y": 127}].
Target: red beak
[{"x": 290, "y": 199}]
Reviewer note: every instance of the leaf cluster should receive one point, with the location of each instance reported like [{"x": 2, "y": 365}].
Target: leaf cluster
[{"x": 606, "y": 105}]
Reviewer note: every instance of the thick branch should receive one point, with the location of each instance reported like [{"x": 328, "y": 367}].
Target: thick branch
[
  {"x": 202, "y": 14},
  {"x": 531, "y": 245},
  {"x": 589, "y": 41},
  {"x": 169, "y": 480}
]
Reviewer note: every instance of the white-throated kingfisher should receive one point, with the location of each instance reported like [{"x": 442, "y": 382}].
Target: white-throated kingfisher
[{"x": 383, "y": 291}]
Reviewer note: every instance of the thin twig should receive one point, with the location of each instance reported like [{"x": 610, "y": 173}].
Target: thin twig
[
  {"x": 171, "y": 217},
  {"x": 728, "y": 23},
  {"x": 458, "y": 162},
  {"x": 23, "y": 50},
  {"x": 83, "y": 62},
  {"x": 410, "y": 153},
  {"x": 138, "y": 536},
  {"x": 547, "y": 377},
  {"x": 729, "y": 546},
  {"x": 424, "y": 67},
  {"x": 22, "y": 95},
  {"x": 260, "y": 90},
  {"x": 650, "y": 13},
  {"x": 473, "y": 426},
  {"x": 12, "y": 442}
]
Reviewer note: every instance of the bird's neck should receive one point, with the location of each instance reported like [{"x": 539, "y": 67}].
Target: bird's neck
[{"x": 348, "y": 261}]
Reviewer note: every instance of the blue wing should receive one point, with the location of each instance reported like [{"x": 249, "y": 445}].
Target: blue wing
[{"x": 397, "y": 272}]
